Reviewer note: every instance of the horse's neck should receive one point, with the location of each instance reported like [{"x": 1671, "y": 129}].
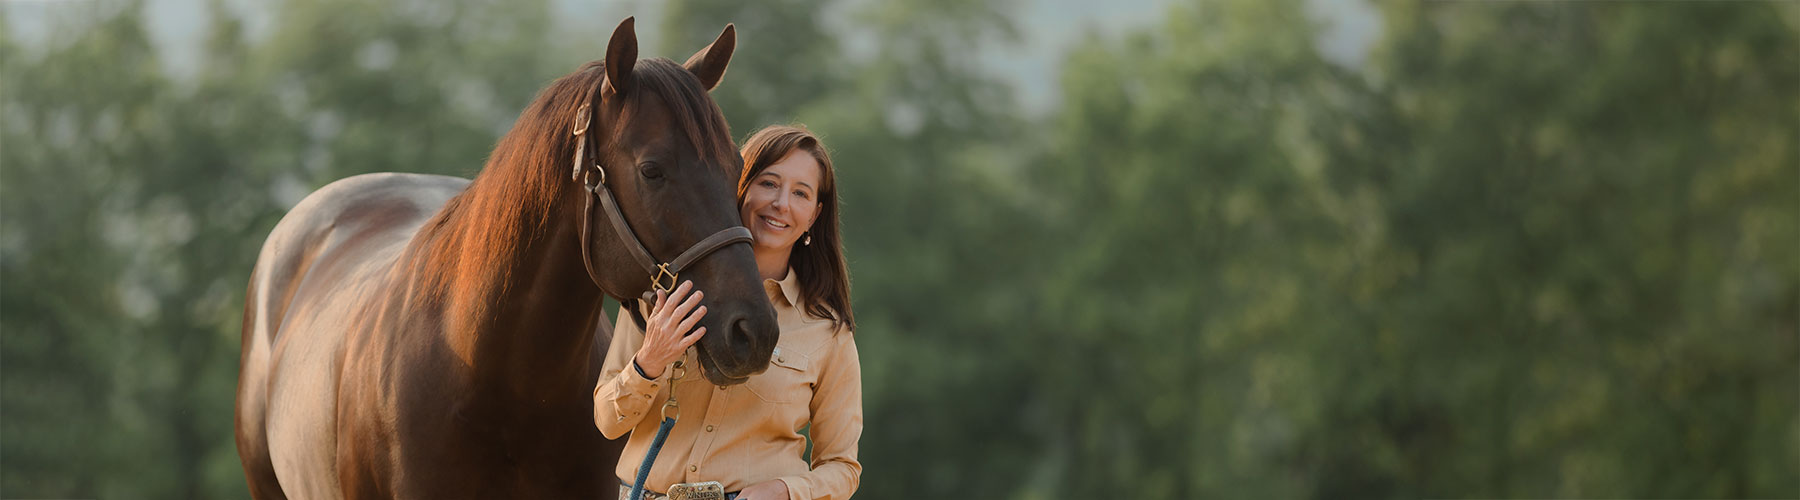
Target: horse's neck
[{"x": 524, "y": 319}]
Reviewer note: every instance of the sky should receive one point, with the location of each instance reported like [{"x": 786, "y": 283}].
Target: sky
[{"x": 1048, "y": 29}]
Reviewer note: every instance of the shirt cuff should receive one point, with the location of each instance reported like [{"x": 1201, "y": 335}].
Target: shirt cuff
[
  {"x": 796, "y": 487},
  {"x": 636, "y": 390}
]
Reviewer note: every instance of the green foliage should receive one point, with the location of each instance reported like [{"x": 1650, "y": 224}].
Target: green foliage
[
  {"x": 1532, "y": 251},
  {"x": 785, "y": 60},
  {"x": 1527, "y": 250}
]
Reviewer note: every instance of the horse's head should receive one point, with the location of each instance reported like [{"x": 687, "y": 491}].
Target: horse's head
[{"x": 669, "y": 161}]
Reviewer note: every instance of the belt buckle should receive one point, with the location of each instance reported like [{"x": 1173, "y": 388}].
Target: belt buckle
[{"x": 708, "y": 490}]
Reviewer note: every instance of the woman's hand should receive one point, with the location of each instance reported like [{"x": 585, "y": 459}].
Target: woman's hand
[
  {"x": 773, "y": 489},
  {"x": 666, "y": 334}
]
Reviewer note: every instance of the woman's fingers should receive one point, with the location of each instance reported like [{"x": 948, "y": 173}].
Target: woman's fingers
[
  {"x": 677, "y": 311},
  {"x": 681, "y": 311},
  {"x": 665, "y": 298},
  {"x": 663, "y": 336},
  {"x": 680, "y": 291},
  {"x": 690, "y": 321},
  {"x": 691, "y": 338}
]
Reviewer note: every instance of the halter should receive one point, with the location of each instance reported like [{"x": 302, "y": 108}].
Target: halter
[{"x": 593, "y": 180}]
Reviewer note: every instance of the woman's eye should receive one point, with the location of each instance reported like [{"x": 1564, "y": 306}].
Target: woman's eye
[
  {"x": 803, "y": 195},
  {"x": 766, "y": 183}
]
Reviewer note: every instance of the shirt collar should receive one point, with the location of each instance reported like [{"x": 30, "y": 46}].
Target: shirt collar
[{"x": 790, "y": 287}]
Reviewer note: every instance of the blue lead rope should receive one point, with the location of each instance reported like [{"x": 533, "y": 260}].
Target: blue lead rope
[{"x": 662, "y": 433}]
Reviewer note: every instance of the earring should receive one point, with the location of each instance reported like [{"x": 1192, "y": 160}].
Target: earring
[{"x": 808, "y": 240}]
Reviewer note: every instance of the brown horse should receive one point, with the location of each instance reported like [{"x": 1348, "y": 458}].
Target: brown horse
[{"x": 423, "y": 336}]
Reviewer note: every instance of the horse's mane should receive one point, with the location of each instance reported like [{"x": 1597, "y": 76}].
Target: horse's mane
[{"x": 480, "y": 232}]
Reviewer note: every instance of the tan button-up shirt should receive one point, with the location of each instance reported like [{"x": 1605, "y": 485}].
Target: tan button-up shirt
[{"x": 744, "y": 434}]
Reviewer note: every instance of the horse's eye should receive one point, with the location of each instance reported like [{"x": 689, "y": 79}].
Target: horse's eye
[{"x": 650, "y": 171}]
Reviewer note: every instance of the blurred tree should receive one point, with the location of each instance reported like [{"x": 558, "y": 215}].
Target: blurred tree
[
  {"x": 786, "y": 59},
  {"x": 1598, "y": 201},
  {"x": 1534, "y": 250},
  {"x": 1183, "y": 181},
  {"x": 86, "y": 129}
]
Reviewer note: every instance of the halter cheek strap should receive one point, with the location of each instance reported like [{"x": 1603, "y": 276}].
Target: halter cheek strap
[{"x": 592, "y": 177}]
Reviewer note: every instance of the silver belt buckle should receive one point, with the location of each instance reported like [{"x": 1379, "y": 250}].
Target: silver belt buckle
[{"x": 709, "y": 490}]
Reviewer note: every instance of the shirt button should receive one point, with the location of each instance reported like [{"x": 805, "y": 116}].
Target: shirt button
[
  {"x": 721, "y": 388},
  {"x": 692, "y": 468},
  {"x": 708, "y": 428}
]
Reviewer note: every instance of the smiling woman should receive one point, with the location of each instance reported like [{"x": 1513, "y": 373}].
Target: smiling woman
[
  {"x": 746, "y": 437},
  {"x": 788, "y": 180}
]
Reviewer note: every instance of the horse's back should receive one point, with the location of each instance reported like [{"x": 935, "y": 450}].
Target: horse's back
[{"x": 332, "y": 252}]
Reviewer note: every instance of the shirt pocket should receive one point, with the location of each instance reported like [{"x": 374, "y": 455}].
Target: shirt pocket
[{"x": 787, "y": 380}]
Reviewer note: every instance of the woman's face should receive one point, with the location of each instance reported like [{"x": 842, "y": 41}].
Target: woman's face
[{"x": 782, "y": 201}]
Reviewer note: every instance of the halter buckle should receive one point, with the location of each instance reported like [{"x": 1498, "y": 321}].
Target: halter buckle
[
  {"x": 581, "y": 120},
  {"x": 580, "y": 132},
  {"x": 656, "y": 280}
]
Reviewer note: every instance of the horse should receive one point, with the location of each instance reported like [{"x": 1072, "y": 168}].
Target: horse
[{"x": 425, "y": 336}]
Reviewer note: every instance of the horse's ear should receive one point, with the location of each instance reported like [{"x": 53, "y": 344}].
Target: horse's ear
[
  {"x": 709, "y": 63},
  {"x": 621, "y": 55}
]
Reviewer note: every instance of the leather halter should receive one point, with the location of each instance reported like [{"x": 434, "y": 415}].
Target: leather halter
[{"x": 593, "y": 180}]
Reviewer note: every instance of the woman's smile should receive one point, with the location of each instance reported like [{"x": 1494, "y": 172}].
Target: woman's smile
[{"x": 774, "y": 223}]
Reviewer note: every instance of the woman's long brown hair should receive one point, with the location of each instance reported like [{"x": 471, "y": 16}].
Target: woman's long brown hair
[{"x": 819, "y": 266}]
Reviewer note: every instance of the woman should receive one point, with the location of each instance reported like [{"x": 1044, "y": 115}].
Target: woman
[{"x": 746, "y": 436}]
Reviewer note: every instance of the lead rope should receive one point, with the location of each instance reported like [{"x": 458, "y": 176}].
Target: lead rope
[{"x": 662, "y": 434}]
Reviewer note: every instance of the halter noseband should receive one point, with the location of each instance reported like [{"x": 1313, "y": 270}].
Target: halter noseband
[{"x": 593, "y": 180}]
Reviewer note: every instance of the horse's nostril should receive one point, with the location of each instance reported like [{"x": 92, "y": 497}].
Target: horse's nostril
[
  {"x": 740, "y": 334},
  {"x": 743, "y": 339}
]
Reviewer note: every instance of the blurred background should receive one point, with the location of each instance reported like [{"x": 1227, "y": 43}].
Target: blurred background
[{"x": 1153, "y": 249}]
